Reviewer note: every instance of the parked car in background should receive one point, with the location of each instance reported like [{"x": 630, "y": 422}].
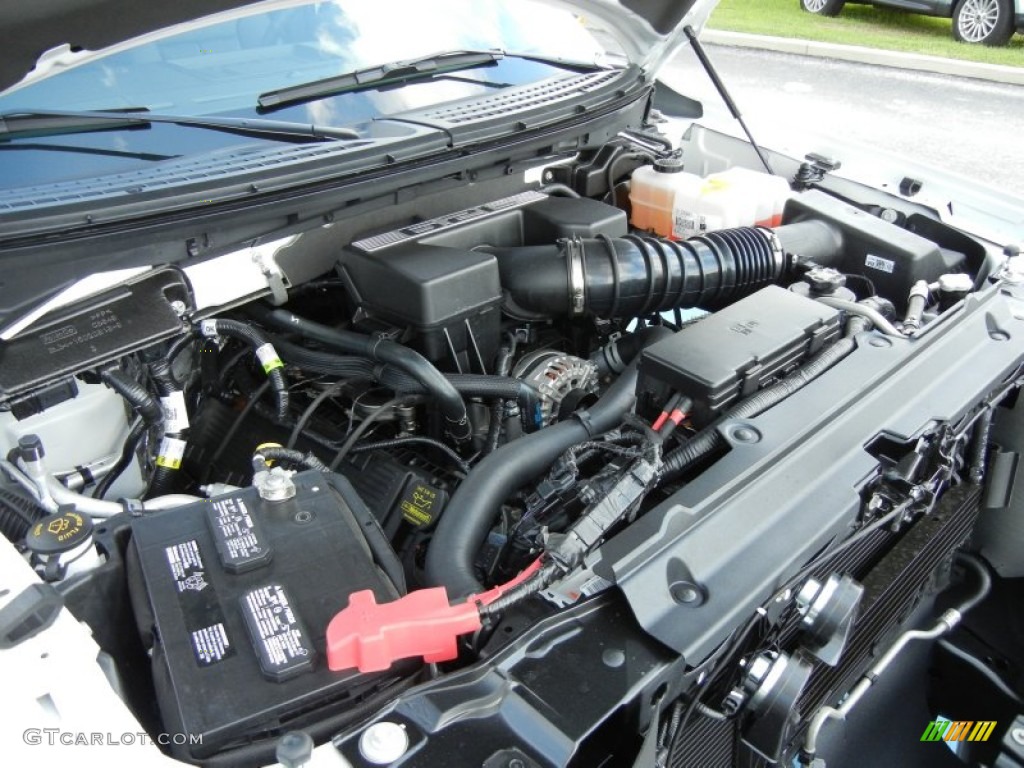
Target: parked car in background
[{"x": 989, "y": 22}]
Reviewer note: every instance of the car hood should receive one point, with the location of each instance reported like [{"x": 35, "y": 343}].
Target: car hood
[{"x": 44, "y": 37}]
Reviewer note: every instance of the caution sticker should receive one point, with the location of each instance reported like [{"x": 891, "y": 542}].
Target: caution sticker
[
  {"x": 171, "y": 452},
  {"x": 236, "y": 532},
  {"x": 200, "y": 608},
  {"x": 277, "y": 633}
]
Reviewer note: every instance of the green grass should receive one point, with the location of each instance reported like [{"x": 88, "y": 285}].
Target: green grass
[{"x": 860, "y": 25}]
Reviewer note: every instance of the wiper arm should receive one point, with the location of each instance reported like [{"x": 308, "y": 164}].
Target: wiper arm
[
  {"x": 382, "y": 74},
  {"x": 36, "y": 122}
]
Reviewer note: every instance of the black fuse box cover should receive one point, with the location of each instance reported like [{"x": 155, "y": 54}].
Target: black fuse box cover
[
  {"x": 241, "y": 636},
  {"x": 737, "y": 350}
]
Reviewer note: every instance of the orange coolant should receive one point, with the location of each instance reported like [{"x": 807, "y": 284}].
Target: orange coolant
[
  {"x": 653, "y": 194},
  {"x": 675, "y": 204}
]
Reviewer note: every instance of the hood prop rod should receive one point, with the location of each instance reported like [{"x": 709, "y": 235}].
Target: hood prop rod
[{"x": 720, "y": 87}]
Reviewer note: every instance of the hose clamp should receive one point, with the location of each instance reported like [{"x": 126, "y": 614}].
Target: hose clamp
[
  {"x": 778, "y": 255},
  {"x": 577, "y": 282}
]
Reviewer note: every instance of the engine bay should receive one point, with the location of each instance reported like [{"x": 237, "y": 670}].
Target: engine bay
[{"x": 430, "y": 441}]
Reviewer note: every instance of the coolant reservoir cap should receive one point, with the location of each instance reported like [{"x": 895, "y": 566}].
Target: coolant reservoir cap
[
  {"x": 669, "y": 165},
  {"x": 59, "y": 533}
]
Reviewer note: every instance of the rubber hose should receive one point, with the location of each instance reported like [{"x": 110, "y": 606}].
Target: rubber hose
[
  {"x": 613, "y": 356},
  {"x": 131, "y": 444},
  {"x": 501, "y": 388},
  {"x": 476, "y": 503},
  {"x": 501, "y": 368},
  {"x": 465, "y": 384},
  {"x": 979, "y": 449},
  {"x": 136, "y": 395},
  {"x": 178, "y": 346},
  {"x": 385, "y": 351},
  {"x": 633, "y": 276},
  {"x": 330, "y": 363},
  {"x": 984, "y": 576},
  {"x": 261, "y": 347},
  {"x": 17, "y": 515},
  {"x": 559, "y": 190}
]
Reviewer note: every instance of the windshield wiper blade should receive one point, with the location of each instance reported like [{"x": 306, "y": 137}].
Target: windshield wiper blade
[
  {"x": 35, "y": 122},
  {"x": 382, "y": 74}
]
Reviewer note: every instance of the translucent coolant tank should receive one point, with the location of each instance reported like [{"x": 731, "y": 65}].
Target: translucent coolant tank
[
  {"x": 672, "y": 203},
  {"x": 656, "y": 190},
  {"x": 768, "y": 193}
]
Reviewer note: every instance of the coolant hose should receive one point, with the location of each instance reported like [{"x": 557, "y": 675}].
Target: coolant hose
[
  {"x": 634, "y": 276},
  {"x": 483, "y": 386},
  {"x": 408, "y": 360},
  {"x": 475, "y": 505},
  {"x": 330, "y": 363},
  {"x": 263, "y": 350}
]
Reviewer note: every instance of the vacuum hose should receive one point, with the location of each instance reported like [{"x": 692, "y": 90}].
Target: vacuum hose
[{"x": 634, "y": 276}]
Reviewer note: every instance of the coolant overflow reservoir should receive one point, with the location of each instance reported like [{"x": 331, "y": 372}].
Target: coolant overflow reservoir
[
  {"x": 766, "y": 193},
  {"x": 672, "y": 203},
  {"x": 654, "y": 191}
]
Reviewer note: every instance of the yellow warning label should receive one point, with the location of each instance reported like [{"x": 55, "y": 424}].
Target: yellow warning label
[
  {"x": 172, "y": 451},
  {"x": 418, "y": 506}
]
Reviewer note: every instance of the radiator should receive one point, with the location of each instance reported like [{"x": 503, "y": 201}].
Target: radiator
[{"x": 895, "y": 569}]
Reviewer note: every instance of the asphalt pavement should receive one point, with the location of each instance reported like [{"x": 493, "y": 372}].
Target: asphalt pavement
[{"x": 968, "y": 126}]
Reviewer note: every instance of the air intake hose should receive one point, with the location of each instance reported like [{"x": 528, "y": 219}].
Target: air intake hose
[{"x": 633, "y": 276}]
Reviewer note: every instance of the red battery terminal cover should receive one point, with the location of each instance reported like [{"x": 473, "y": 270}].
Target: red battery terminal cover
[{"x": 370, "y": 636}]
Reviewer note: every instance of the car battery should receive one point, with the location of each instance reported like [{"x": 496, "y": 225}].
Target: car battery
[{"x": 239, "y": 592}]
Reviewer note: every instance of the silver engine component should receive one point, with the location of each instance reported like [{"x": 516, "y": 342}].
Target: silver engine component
[{"x": 558, "y": 379}]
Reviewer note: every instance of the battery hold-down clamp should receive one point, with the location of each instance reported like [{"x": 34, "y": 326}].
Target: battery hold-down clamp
[{"x": 371, "y": 636}]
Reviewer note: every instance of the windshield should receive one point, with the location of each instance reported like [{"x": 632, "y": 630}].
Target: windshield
[{"x": 221, "y": 64}]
